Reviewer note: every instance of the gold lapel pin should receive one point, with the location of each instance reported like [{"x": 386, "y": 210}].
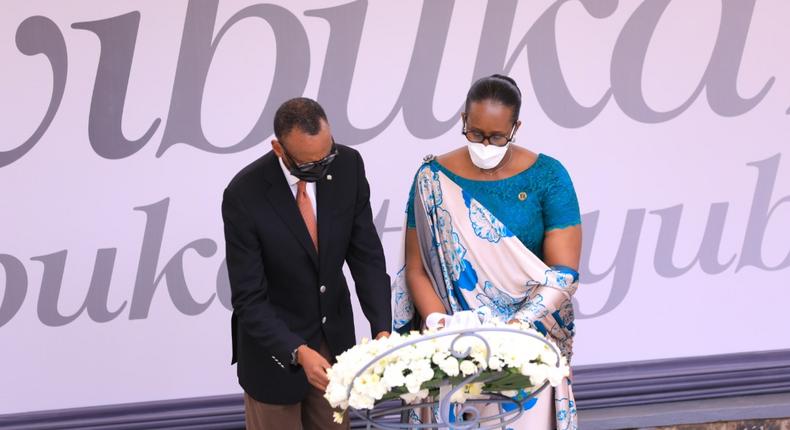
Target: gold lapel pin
[
  {"x": 328, "y": 177},
  {"x": 522, "y": 196}
]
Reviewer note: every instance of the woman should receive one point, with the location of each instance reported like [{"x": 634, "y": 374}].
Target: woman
[{"x": 481, "y": 222}]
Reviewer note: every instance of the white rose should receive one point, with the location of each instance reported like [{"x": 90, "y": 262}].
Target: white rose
[
  {"x": 371, "y": 385},
  {"x": 495, "y": 363},
  {"x": 360, "y": 401},
  {"x": 468, "y": 367},
  {"x": 450, "y": 366},
  {"x": 413, "y": 384},
  {"x": 537, "y": 373},
  {"x": 393, "y": 375},
  {"x": 439, "y": 356},
  {"x": 412, "y": 398},
  {"x": 422, "y": 370},
  {"x": 512, "y": 358},
  {"x": 335, "y": 394}
]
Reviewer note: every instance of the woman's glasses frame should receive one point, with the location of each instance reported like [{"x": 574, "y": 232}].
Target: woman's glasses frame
[{"x": 500, "y": 140}]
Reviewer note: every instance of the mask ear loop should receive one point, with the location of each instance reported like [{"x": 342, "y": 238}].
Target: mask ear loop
[
  {"x": 463, "y": 122},
  {"x": 513, "y": 134}
]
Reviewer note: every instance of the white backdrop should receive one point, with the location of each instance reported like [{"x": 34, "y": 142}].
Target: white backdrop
[{"x": 672, "y": 118}]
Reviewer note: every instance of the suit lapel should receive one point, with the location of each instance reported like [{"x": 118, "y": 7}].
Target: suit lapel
[
  {"x": 284, "y": 203},
  {"x": 325, "y": 199}
]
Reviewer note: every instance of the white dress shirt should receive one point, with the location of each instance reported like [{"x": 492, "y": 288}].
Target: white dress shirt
[{"x": 293, "y": 180}]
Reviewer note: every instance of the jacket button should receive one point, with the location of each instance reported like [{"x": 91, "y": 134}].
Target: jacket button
[
  {"x": 322, "y": 289},
  {"x": 323, "y": 320}
]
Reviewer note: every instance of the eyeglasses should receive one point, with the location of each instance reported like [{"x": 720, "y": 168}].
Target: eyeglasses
[
  {"x": 306, "y": 167},
  {"x": 475, "y": 136}
]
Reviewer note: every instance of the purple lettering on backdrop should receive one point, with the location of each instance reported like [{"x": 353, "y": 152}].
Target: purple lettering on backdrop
[
  {"x": 708, "y": 254},
  {"x": 417, "y": 94},
  {"x": 15, "y": 287},
  {"x": 117, "y": 37},
  {"x": 548, "y": 81},
  {"x": 172, "y": 272},
  {"x": 95, "y": 300},
  {"x": 380, "y": 220},
  {"x": 622, "y": 265},
  {"x": 621, "y": 270},
  {"x": 760, "y": 215},
  {"x": 223, "y": 286},
  {"x": 39, "y": 35},
  {"x": 720, "y": 77},
  {"x": 198, "y": 46}
]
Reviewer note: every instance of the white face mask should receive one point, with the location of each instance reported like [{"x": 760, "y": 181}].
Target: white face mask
[{"x": 487, "y": 156}]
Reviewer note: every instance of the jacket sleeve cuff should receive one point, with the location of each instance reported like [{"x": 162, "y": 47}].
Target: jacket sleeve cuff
[
  {"x": 284, "y": 356},
  {"x": 380, "y": 327}
]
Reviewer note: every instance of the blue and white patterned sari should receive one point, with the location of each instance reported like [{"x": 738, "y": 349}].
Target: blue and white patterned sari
[{"x": 473, "y": 261}]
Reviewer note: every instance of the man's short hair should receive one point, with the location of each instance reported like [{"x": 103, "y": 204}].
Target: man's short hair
[{"x": 301, "y": 113}]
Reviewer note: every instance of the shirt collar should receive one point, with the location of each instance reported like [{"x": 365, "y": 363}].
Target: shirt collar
[{"x": 292, "y": 180}]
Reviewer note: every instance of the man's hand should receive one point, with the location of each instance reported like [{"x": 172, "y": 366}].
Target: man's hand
[
  {"x": 314, "y": 365},
  {"x": 382, "y": 335}
]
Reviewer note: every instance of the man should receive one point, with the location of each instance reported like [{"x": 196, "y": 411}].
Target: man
[{"x": 292, "y": 218}]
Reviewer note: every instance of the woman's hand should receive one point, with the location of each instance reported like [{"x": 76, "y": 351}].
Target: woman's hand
[{"x": 436, "y": 320}]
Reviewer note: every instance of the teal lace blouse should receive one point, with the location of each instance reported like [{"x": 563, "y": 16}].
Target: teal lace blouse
[{"x": 537, "y": 200}]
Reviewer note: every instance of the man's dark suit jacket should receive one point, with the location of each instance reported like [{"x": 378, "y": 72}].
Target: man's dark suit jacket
[{"x": 286, "y": 294}]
